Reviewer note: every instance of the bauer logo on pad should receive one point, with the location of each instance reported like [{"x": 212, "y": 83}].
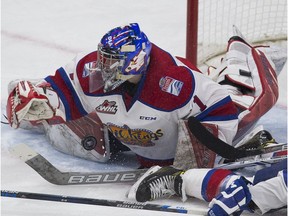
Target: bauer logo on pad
[{"x": 170, "y": 85}]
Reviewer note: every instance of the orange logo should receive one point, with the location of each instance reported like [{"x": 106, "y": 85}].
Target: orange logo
[{"x": 140, "y": 137}]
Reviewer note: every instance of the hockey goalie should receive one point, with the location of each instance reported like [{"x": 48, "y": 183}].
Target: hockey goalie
[{"x": 129, "y": 94}]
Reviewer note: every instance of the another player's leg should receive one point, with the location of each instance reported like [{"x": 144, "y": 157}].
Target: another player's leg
[{"x": 164, "y": 182}]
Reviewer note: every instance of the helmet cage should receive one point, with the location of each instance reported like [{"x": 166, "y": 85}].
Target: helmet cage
[{"x": 109, "y": 62}]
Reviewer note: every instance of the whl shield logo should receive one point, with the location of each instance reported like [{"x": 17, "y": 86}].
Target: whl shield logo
[{"x": 108, "y": 107}]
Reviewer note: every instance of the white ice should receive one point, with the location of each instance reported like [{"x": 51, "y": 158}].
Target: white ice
[{"x": 40, "y": 36}]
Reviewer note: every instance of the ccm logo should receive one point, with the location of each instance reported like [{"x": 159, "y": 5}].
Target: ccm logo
[{"x": 147, "y": 118}]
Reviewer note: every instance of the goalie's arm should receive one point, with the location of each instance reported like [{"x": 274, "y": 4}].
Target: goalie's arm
[{"x": 64, "y": 86}]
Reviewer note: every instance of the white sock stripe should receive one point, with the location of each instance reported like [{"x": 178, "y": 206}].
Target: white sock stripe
[{"x": 225, "y": 195}]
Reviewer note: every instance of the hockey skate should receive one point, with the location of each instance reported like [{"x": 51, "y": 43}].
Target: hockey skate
[{"x": 157, "y": 183}]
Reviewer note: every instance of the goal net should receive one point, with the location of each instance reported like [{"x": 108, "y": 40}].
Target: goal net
[{"x": 258, "y": 20}]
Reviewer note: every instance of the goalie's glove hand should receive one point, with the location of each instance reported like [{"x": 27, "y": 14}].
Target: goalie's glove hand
[
  {"x": 231, "y": 201},
  {"x": 28, "y": 102}
]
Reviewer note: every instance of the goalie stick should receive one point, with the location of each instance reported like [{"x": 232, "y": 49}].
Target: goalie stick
[
  {"x": 102, "y": 202},
  {"x": 50, "y": 173}
]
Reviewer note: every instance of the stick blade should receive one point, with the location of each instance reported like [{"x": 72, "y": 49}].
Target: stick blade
[
  {"x": 23, "y": 152},
  {"x": 38, "y": 163}
]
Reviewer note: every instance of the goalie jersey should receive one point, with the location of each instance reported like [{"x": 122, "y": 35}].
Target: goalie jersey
[{"x": 147, "y": 120}]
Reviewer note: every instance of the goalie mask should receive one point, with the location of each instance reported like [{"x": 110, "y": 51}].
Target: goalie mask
[{"x": 123, "y": 53}]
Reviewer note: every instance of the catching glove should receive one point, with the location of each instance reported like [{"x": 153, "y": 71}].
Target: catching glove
[{"x": 32, "y": 103}]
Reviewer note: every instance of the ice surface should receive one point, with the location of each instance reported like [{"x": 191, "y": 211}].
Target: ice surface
[{"x": 37, "y": 38}]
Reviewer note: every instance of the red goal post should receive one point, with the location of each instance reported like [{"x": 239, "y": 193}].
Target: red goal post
[{"x": 209, "y": 24}]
